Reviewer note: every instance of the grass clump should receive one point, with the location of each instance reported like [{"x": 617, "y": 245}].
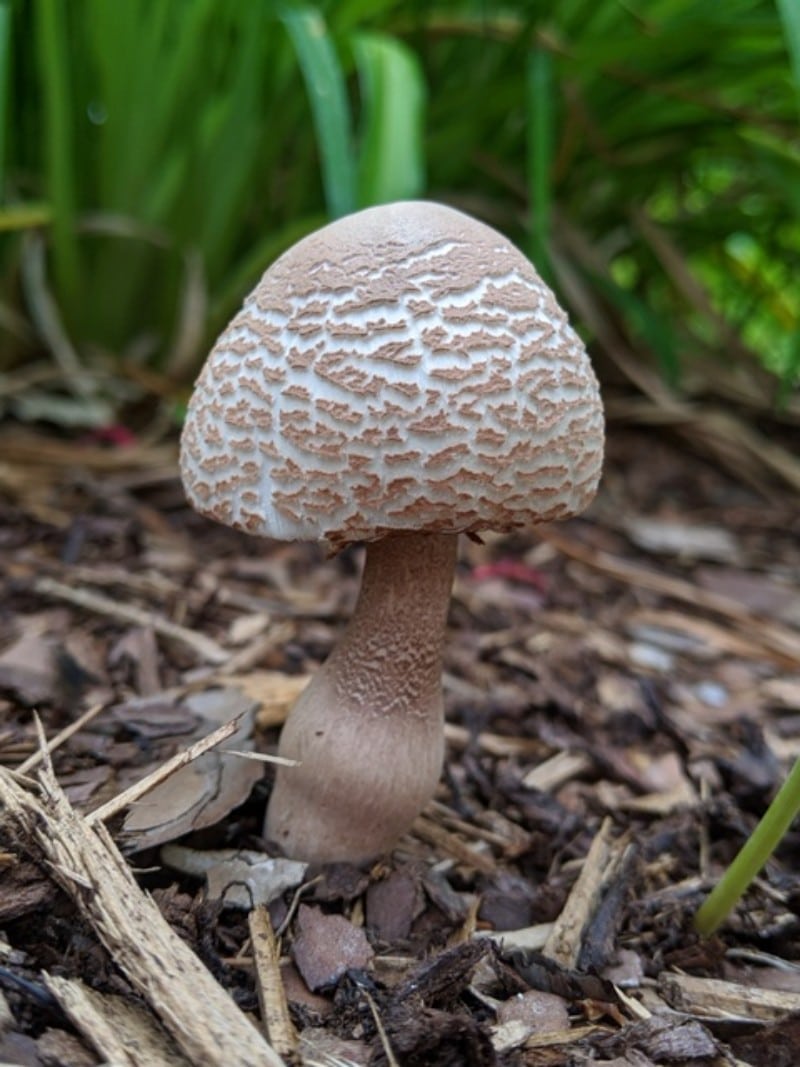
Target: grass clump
[{"x": 155, "y": 157}]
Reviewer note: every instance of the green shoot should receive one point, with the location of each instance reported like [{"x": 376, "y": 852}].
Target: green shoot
[{"x": 754, "y": 854}]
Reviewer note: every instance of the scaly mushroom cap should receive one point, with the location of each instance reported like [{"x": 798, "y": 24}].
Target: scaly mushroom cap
[{"x": 404, "y": 368}]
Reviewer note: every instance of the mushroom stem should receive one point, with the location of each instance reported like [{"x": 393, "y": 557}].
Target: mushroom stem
[{"x": 368, "y": 730}]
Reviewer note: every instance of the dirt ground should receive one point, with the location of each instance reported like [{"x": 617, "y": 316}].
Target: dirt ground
[{"x": 623, "y": 700}]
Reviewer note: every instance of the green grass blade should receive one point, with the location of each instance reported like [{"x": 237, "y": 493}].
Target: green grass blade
[
  {"x": 540, "y": 102},
  {"x": 5, "y": 84},
  {"x": 228, "y": 152},
  {"x": 59, "y": 109},
  {"x": 24, "y": 216},
  {"x": 789, "y": 11},
  {"x": 392, "y": 153},
  {"x": 755, "y": 852},
  {"x": 327, "y": 95},
  {"x": 656, "y": 330}
]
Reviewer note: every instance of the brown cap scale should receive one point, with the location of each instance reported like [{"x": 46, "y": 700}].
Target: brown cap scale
[{"x": 398, "y": 377}]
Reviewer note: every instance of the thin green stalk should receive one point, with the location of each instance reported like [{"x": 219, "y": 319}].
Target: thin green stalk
[
  {"x": 756, "y": 851},
  {"x": 59, "y": 109},
  {"x": 789, "y": 12},
  {"x": 539, "y": 90},
  {"x": 330, "y": 110},
  {"x": 5, "y": 82}
]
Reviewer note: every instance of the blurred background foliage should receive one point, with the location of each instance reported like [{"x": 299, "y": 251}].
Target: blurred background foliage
[{"x": 157, "y": 155}]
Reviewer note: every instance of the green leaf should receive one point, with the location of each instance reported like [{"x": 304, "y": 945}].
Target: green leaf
[
  {"x": 327, "y": 95},
  {"x": 392, "y": 156}
]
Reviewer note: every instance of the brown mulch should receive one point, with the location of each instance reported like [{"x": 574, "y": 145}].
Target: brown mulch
[{"x": 623, "y": 700}]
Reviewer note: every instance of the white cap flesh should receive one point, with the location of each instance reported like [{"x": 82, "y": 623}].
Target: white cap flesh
[{"x": 402, "y": 369}]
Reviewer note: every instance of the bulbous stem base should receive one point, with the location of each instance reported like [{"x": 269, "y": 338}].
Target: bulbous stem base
[{"x": 368, "y": 730}]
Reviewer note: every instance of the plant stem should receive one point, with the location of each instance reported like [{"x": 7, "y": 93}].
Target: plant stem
[{"x": 754, "y": 854}]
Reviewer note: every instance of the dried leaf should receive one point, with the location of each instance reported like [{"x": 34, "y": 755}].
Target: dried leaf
[
  {"x": 203, "y": 792},
  {"x": 273, "y": 691},
  {"x": 138, "y": 648},
  {"x": 239, "y": 877},
  {"x": 29, "y": 669}
]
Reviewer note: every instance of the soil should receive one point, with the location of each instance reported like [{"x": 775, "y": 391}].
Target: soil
[{"x": 623, "y": 701}]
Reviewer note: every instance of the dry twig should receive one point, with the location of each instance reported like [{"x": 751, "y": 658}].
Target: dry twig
[
  {"x": 271, "y": 994},
  {"x": 63, "y": 735},
  {"x": 204, "y": 647}
]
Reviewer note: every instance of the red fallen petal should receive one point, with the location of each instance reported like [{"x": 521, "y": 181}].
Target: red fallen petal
[
  {"x": 513, "y": 570},
  {"x": 116, "y": 436}
]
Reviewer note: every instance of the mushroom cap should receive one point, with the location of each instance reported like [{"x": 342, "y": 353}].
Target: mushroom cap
[{"x": 403, "y": 368}]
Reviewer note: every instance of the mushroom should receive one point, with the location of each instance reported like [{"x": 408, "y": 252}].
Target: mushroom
[{"x": 399, "y": 377}]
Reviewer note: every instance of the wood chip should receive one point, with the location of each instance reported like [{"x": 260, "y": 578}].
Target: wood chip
[
  {"x": 452, "y": 845},
  {"x": 529, "y": 938},
  {"x": 326, "y": 946},
  {"x": 697, "y": 637},
  {"x": 716, "y": 999},
  {"x": 121, "y": 1032},
  {"x": 273, "y": 691},
  {"x": 688, "y": 540},
  {"x": 202, "y": 1018},
  {"x": 783, "y": 692},
  {"x": 392, "y": 905},
  {"x": 493, "y": 744},
  {"x": 555, "y": 771},
  {"x": 564, "y": 1037},
  {"x": 564, "y": 943}
]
